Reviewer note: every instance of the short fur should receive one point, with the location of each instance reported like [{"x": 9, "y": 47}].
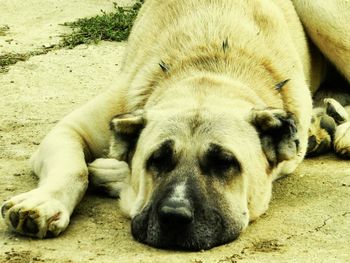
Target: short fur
[{"x": 213, "y": 103}]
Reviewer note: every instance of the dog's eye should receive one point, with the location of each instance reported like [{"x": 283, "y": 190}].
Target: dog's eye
[
  {"x": 222, "y": 162},
  {"x": 218, "y": 161},
  {"x": 162, "y": 160}
]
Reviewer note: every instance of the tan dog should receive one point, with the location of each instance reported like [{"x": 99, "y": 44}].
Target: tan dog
[{"x": 212, "y": 105}]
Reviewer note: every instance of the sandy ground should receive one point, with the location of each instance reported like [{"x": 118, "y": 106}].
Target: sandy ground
[{"x": 309, "y": 216}]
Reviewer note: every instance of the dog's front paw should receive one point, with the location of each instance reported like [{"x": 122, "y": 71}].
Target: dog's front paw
[
  {"x": 108, "y": 175},
  {"x": 35, "y": 213}
]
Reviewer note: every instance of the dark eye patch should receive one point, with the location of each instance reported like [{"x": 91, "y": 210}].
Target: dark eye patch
[
  {"x": 162, "y": 160},
  {"x": 219, "y": 162}
]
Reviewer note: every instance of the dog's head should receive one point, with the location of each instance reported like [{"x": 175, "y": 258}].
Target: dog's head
[{"x": 201, "y": 168}]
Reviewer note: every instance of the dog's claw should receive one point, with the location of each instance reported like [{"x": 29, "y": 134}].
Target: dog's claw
[
  {"x": 14, "y": 218},
  {"x": 4, "y": 209}
]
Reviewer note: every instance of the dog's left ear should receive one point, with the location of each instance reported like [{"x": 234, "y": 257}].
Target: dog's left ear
[
  {"x": 126, "y": 129},
  {"x": 278, "y": 134}
]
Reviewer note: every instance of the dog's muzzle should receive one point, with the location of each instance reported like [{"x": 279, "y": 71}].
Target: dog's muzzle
[{"x": 188, "y": 224}]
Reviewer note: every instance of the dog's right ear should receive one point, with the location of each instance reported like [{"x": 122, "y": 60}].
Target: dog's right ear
[
  {"x": 278, "y": 134},
  {"x": 126, "y": 129}
]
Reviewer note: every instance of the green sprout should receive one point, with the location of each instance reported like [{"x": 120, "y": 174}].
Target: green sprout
[{"x": 114, "y": 26}]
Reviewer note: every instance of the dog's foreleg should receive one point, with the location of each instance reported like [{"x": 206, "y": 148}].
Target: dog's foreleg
[
  {"x": 327, "y": 23},
  {"x": 60, "y": 164}
]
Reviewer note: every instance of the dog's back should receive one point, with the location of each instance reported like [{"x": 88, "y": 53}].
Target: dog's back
[{"x": 185, "y": 34}]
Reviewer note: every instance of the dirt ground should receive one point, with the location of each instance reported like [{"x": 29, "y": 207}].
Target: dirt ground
[{"x": 309, "y": 216}]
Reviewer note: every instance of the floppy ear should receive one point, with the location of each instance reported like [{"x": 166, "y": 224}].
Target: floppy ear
[
  {"x": 126, "y": 129},
  {"x": 278, "y": 134}
]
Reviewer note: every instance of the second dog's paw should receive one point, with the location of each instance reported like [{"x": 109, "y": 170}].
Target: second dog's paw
[
  {"x": 342, "y": 140},
  {"x": 335, "y": 110},
  {"x": 108, "y": 175},
  {"x": 321, "y": 133},
  {"x": 35, "y": 214},
  {"x": 330, "y": 129}
]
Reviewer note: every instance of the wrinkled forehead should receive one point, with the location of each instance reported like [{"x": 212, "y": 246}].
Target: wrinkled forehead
[{"x": 197, "y": 127}]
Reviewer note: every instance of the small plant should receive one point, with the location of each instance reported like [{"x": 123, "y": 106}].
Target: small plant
[
  {"x": 113, "y": 26},
  {"x": 8, "y": 59}
]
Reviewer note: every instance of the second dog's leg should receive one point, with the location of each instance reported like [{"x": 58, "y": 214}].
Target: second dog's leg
[
  {"x": 327, "y": 23},
  {"x": 330, "y": 130}
]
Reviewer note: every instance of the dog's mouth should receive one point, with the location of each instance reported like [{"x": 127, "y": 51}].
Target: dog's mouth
[{"x": 182, "y": 228}]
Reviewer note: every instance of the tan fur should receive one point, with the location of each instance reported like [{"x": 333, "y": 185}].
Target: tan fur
[
  {"x": 327, "y": 23},
  {"x": 200, "y": 79}
]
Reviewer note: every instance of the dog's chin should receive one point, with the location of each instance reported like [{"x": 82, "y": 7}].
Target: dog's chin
[{"x": 203, "y": 233}]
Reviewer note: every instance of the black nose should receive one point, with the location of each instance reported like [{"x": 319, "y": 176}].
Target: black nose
[{"x": 175, "y": 213}]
